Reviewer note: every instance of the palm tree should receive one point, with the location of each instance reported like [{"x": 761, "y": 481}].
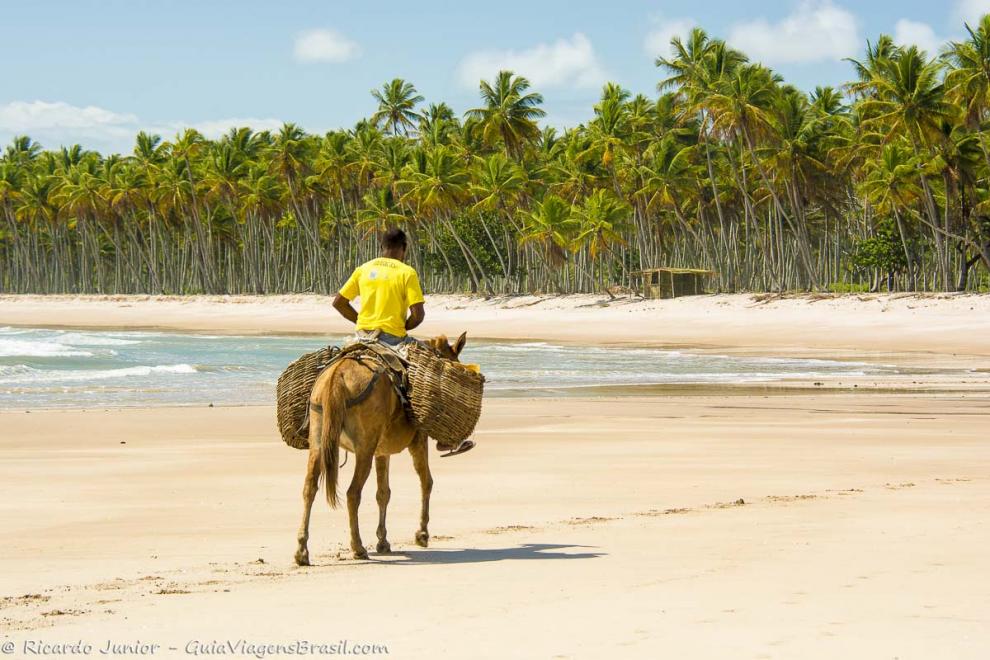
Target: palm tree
[
  {"x": 435, "y": 192},
  {"x": 508, "y": 116},
  {"x": 968, "y": 80},
  {"x": 380, "y": 212},
  {"x": 670, "y": 179},
  {"x": 552, "y": 226},
  {"x": 397, "y": 101},
  {"x": 696, "y": 68},
  {"x": 891, "y": 186},
  {"x": 604, "y": 220},
  {"x": 906, "y": 97},
  {"x": 22, "y": 150},
  {"x": 497, "y": 187}
]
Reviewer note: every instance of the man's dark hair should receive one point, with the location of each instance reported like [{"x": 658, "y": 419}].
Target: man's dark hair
[{"x": 394, "y": 239}]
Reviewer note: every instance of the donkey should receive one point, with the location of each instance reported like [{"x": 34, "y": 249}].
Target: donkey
[{"x": 373, "y": 430}]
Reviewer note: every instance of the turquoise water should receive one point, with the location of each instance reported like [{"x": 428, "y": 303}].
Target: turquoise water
[{"x": 90, "y": 369}]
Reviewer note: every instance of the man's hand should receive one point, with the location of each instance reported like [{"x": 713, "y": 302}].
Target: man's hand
[
  {"x": 416, "y": 315},
  {"x": 343, "y": 305}
]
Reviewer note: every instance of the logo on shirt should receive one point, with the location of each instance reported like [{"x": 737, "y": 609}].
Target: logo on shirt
[{"x": 374, "y": 274}]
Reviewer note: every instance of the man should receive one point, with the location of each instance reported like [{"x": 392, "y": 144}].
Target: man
[{"x": 391, "y": 301}]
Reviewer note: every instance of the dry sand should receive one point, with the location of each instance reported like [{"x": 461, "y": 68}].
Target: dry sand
[
  {"x": 726, "y": 523},
  {"x": 704, "y": 526}
]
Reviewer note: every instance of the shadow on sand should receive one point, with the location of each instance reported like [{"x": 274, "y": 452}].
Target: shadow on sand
[{"x": 478, "y": 555}]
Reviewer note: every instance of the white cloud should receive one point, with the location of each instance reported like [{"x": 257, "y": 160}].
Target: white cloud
[
  {"x": 324, "y": 45},
  {"x": 563, "y": 62},
  {"x": 54, "y": 124},
  {"x": 657, "y": 42},
  {"x": 817, "y": 30},
  {"x": 58, "y": 123},
  {"x": 970, "y": 11},
  {"x": 23, "y": 116},
  {"x": 914, "y": 33}
]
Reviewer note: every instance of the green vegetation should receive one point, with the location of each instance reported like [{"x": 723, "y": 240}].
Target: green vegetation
[{"x": 884, "y": 185}]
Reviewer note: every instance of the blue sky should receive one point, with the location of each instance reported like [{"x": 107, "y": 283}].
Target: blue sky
[{"x": 96, "y": 72}]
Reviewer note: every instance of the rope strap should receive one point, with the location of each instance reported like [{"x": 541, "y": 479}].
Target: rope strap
[{"x": 366, "y": 392}]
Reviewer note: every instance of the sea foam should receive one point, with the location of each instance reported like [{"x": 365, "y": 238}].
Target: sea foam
[{"x": 39, "y": 348}]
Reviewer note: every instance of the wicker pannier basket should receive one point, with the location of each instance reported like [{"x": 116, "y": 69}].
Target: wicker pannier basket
[
  {"x": 445, "y": 396},
  {"x": 292, "y": 395}
]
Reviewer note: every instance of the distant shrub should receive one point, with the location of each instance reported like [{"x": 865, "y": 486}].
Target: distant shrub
[
  {"x": 881, "y": 252},
  {"x": 848, "y": 287}
]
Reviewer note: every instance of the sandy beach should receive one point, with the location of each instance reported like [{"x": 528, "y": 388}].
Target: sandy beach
[
  {"x": 942, "y": 324},
  {"x": 798, "y": 526},
  {"x": 722, "y": 522}
]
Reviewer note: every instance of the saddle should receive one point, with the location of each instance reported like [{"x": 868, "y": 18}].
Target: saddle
[{"x": 380, "y": 359}]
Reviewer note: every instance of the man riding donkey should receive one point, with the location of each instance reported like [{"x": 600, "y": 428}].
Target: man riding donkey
[
  {"x": 353, "y": 407},
  {"x": 392, "y": 303}
]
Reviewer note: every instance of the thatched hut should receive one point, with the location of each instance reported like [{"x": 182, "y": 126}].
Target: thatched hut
[{"x": 670, "y": 282}]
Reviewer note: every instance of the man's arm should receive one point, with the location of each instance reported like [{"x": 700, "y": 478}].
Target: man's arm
[
  {"x": 416, "y": 315},
  {"x": 343, "y": 305},
  {"x": 414, "y": 296}
]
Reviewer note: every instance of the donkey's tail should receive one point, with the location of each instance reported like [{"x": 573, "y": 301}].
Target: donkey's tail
[{"x": 331, "y": 424}]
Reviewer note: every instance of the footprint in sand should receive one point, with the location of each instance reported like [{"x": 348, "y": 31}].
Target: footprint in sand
[
  {"x": 589, "y": 521},
  {"x": 63, "y": 613},
  {"x": 727, "y": 505},
  {"x": 663, "y": 512},
  {"x": 170, "y": 588},
  {"x": 789, "y": 498},
  {"x": 506, "y": 529},
  {"x": 26, "y": 599}
]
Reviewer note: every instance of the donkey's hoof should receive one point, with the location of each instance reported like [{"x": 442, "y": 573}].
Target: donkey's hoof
[
  {"x": 361, "y": 554},
  {"x": 302, "y": 557},
  {"x": 383, "y": 548},
  {"x": 422, "y": 539}
]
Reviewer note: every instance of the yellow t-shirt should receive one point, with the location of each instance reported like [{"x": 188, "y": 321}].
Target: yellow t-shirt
[{"x": 387, "y": 287}]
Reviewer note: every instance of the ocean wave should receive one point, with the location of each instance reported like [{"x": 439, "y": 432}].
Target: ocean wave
[
  {"x": 14, "y": 369},
  {"x": 85, "y": 339},
  {"x": 606, "y": 352},
  {"x": 39, "y": 348},
  {"x": 518, "y": 347},
  {"x": 83, "y": 375}
]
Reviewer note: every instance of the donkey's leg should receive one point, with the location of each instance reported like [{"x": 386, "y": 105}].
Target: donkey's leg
[
  {"x": 310, "y": 486},
  {"x": 419, "y": 451},
  {"x": 362, "y": 468},
  {"x": 383, "y": 496}
]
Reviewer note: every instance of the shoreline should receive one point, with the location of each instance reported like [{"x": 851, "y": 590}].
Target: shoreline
[
  {"x": 604, "y": 393},
  {"x": 943, "y": 326}
]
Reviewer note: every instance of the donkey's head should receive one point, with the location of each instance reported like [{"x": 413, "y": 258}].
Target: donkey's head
[{"x": 446, "y": 350}]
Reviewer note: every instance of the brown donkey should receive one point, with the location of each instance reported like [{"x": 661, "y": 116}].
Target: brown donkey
[{"x": 373, "y": 429}]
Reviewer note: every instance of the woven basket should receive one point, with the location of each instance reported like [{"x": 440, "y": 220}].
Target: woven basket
[
  {"x": 445, "y": 395},
  {"x": 292, "y": 395}
]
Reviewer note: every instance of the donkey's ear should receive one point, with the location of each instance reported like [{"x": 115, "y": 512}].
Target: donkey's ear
[
  {"x": 459, "y": 344},
  {"x": 439, "y": 342}
]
